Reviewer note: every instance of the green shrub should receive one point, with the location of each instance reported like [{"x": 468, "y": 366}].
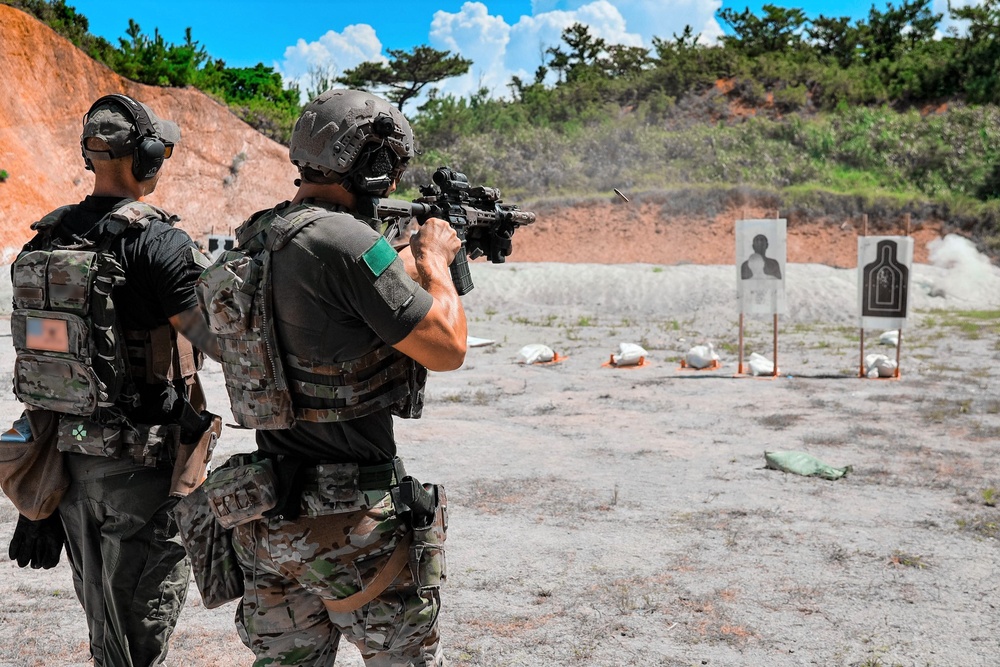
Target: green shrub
[
  {"x": 3, "y": 175},
  {"x": 791, "y": 98}
]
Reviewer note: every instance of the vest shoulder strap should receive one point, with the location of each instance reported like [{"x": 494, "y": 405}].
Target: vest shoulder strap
[
  {"x": 137, "y": 215},
  {"x": 51, "y": 220},
  {"x": 284, "y": 229}
]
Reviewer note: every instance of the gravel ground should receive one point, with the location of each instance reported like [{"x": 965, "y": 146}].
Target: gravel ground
[{"x": 604, "y": 516}]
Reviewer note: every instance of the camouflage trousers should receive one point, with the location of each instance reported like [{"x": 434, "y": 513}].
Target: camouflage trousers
[
  {"x": 290, "y": 567},
  {"x": 129, "y": 567}
]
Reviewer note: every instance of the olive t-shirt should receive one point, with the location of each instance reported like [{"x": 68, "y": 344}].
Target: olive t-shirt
[
  {"x": 160, "y": 272},
  {"x": 340, "y": 292}
]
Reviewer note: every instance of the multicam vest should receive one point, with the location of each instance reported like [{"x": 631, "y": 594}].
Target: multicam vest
[
  {"x": 71, "y": 355},
  {"x": 270, "y": 389}
]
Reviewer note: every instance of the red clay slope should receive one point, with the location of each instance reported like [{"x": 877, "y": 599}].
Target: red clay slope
[{"x": 48, "y": 84}]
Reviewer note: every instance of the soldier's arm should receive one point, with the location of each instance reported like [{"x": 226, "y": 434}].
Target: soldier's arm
[
  {"x": 438, "y": 342},
  {"x": 191, "y": 324}
]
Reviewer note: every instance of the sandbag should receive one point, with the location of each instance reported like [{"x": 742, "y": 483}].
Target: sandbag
[{"x": 801, "y": 463}]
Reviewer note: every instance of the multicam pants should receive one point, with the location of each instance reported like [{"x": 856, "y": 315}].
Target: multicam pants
[
  {"x": 129, "y": 567},
  {"x": 292, "y": 566}
]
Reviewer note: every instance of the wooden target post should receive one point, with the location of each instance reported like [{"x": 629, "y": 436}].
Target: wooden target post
[
  {"x": 862, "y": 371},
  {"x": 775, "y": 231},
  {"x": 739, "y": 368}
]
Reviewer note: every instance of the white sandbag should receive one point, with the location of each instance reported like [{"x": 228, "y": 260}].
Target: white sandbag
[
  {"x": 879, "y": 365},
  {"x": 629, "y": 354},
  {"x": 701, "y": 356},
  {"x": 889, "y": 338},
  {"x": 760, "y": 365},
  {"x": 473, "y": 341},
  {"x": 535, "y": 353}
]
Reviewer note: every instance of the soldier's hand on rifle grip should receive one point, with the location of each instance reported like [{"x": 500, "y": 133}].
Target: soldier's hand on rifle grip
[{"x": 434, "y": 246}]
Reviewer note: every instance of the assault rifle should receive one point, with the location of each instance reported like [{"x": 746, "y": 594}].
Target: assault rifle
[{"x": 482, "y": 222}]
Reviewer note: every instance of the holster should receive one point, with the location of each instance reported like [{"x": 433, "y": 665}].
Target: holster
[{"x": 193, "y": 458}]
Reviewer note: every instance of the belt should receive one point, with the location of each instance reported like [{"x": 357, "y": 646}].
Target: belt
[
  {"x": 378, "y": 477},
  {"x": 333, "y": 488}
]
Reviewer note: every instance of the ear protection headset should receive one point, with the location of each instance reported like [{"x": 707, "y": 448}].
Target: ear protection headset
[{"x": 150, "y": 150}]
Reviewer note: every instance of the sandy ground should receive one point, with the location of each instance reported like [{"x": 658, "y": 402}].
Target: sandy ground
[{"x": 607, "y": 516}]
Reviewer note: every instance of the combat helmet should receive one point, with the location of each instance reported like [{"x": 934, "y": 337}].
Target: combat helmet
[{"x": 353, "y": 138}]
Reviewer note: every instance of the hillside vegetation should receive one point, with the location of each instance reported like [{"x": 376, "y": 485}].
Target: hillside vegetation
[{"x": 816, "y": 115}]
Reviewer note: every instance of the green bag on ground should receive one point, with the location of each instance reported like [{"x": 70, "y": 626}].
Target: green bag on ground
[{"x": 801, "y": 463}]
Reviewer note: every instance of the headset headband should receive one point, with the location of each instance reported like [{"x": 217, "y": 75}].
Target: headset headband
[{"x": 140, "y": 119}]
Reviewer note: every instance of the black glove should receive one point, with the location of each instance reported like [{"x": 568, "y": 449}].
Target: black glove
[{"x": 37, "y": 543}]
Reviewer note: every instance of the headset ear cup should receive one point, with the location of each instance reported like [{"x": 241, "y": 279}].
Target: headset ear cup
[{"x": 148, "y": 158}]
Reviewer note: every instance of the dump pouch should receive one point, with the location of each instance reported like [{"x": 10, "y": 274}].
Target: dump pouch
[
  {"x": 210, "y": 547},
  {"x": 241, "y": 490},
  {"x": 33, "y": 473}
]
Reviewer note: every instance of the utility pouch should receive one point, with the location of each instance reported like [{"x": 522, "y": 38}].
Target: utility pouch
[
  {"x": 427, "y": 553},
  {"x": 149, "y": 444},
  {"x": 331, "y": 489},
  {"x": 230, "y": 286},
  {"x": 213, "y": 559},
  {"x": 241, "y": 490},
  {"x": 80, "y": 435}
]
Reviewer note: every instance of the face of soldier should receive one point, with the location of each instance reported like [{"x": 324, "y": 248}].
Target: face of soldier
[{"x": 150, "y": 184}]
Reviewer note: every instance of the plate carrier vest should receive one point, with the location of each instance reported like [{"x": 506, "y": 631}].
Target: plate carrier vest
[
  {"x": 72, "y": 356},
  {"x": 270, "y": 389}
]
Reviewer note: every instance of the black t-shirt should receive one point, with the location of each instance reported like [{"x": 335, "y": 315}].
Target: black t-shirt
[
  {"x": 160, "y": 272},
  {"x": 331, "y": 305}
]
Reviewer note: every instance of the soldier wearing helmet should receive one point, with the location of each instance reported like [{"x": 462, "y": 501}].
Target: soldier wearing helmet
[{"x": 355, "y": 326}]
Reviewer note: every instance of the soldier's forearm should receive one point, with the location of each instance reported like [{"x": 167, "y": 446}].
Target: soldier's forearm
[{"x": 192, "y": 325}]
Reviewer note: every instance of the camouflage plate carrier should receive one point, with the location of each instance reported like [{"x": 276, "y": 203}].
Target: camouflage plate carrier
[
  {"x": 272, "y": 390},
  {"x": 70, "y": 349}
]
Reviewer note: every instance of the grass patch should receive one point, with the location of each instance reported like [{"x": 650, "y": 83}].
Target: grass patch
[
  {"x": 904, "y": 559},
  {"x": 779, "y": 421},
  {"x": 983, "y": 526},
  {"x": 942, "y": 409}
]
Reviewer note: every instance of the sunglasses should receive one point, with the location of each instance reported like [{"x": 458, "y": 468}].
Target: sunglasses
[{"x": 168, "y": 149}]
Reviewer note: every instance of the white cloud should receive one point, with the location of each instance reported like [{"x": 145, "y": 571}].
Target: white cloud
[
  {"x": 474, "y": 34},
  {"x": 500, "y": 48},
  {"x": 652, "y": 18},
  {"x": 941, "y": 7},
  {"x": 333, "y": 53}
]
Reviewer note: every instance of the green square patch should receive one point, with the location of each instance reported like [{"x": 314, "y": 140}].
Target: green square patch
[{"x": 379, "y": 257}]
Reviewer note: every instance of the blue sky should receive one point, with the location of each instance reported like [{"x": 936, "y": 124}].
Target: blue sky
[{"x": 502, "y": 37}]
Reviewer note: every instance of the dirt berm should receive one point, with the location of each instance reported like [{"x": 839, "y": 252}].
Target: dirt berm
[{"x": 49, "y": 84}]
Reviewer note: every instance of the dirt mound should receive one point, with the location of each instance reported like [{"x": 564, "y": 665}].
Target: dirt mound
[
  {"x": 618, "y": 233},
  {"x": 50, "y": 84}
]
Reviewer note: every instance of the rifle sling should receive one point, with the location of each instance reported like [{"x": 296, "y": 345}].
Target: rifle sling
[{"x": 397, "y": 561}]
